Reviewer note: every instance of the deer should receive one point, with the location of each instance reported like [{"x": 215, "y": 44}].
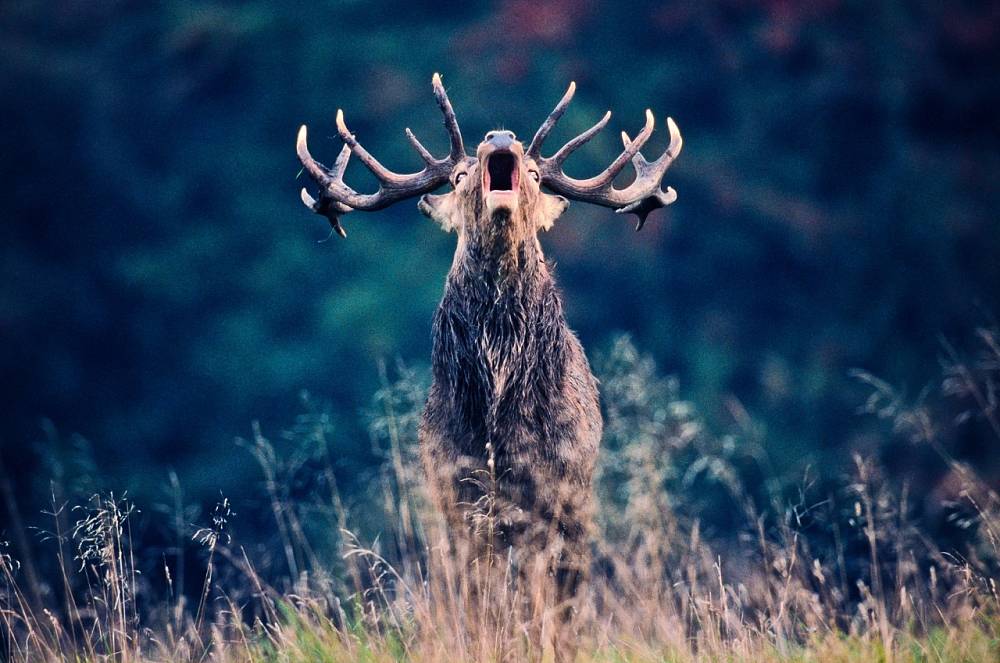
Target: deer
[{"x": 513, "y": 409}]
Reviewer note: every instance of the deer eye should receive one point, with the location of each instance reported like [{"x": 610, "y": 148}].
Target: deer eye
[
  {"x": 534, "y": 175},
  {"x": 459, "y": 177}
]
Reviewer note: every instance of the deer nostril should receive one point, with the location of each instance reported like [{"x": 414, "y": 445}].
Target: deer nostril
[{"x": 500, "y": 139}]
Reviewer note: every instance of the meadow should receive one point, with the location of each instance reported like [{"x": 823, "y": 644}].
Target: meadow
[{"x": 816, "y": 569}]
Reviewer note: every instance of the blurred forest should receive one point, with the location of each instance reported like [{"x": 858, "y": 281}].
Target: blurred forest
[{"x": 162, "y": 287}]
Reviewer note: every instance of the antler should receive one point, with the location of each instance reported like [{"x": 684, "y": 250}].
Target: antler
[
  {"x": 641, "y": 197},
  {"x": 337, "y": 199}
]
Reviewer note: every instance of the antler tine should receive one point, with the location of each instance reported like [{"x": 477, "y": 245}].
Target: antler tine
[
  {"x": 382, "y": 173},
  {"x": 535, "y": 148},
  {"x": 584, "y": 138},
  {"x": 340, "y": 164},
  {"x": 450, "y": 121},
  {"x": 337, "y": 198},
  {"x": 676, "y": 144},
  {"x": 316, "y": 170},
  {"x": 419, "y": 147}
]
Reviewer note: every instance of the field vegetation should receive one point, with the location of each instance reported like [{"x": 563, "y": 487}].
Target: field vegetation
[{"x": 820, "y": 569}]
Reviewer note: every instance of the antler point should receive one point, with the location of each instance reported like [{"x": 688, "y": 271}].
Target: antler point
[
  {"x": 672, "y": 127},
  {"x": 345, "y": 134},
  {"x": 307, "y": 200}
]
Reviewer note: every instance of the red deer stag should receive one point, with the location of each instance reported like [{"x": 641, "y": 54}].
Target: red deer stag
[{"x": 513, "y": 397}]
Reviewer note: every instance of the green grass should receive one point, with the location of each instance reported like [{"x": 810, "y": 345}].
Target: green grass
[{"x": 977, "y": 641}]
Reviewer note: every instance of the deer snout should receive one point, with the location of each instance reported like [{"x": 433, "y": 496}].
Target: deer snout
[{"x": 500, "y": 140}]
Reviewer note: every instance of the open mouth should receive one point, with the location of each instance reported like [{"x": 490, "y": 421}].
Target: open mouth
[{"x": 501, "y": 172}]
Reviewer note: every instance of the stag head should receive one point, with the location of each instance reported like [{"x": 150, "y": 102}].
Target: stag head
[
  {"x": 496, "y": 198},
  {"x": 498, "y": 193}
]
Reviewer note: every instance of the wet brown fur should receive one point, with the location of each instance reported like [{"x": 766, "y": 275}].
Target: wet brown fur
[{"x": 511, "y": 384}]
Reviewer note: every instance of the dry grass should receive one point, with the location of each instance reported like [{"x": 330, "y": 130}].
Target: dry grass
[{"x": 842, "y": 576}]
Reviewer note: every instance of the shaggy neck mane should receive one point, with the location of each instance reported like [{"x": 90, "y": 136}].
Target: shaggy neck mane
[{"x": 499, "y": 333}]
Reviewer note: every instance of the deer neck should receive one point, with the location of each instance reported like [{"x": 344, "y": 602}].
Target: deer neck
[
  {"x": 500, "y": 254},
  {"x": 500, "y": 320}
]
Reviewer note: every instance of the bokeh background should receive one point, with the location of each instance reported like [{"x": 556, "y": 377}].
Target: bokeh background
[{"x": 162, "y": 287}]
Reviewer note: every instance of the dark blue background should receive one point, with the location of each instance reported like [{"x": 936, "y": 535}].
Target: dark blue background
[{"x": 161, "y": 285}]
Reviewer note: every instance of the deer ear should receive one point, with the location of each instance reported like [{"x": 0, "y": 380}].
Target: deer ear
[
  {"x": 552, "y": 209},
  {"x": 440, "y": 208}
]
